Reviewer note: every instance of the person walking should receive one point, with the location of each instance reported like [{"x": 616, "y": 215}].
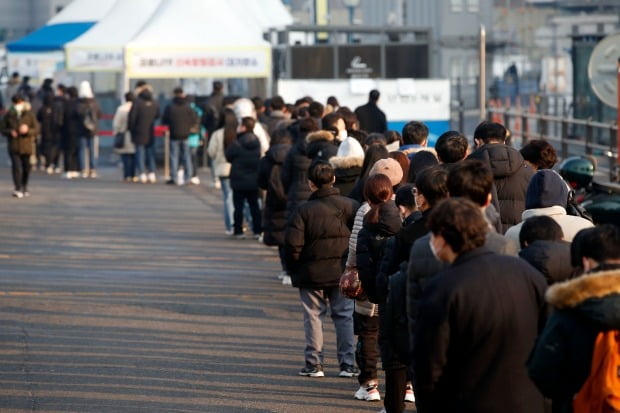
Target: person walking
[
  {"x": 244, "y": 157},
  {"x": 477, "y": 321},
  {"x": 315, "y": 244},
  {"x": 144, "y": 111},
  {"x": 70, "y": 134},
  {"x": 127, "y": 152},
  {"x": 371, "y": 118},
  {"x": 180, "y": 118},
  {"x": 20, "y": 128},
  {"x": 89, "y": 114}
]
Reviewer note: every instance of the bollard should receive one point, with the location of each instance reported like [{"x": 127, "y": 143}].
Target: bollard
[{"x": 589, "y": 133}]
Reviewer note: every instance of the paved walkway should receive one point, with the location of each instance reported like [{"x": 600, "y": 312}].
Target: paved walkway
[{"x": 122, "y": 297}]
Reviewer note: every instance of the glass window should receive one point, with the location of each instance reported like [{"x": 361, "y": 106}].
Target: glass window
[
  {"x": 456, "y": 68},
  {"x": 472, "y": 70},
  {"x": 456, "y": 6},
  {"x": 473, "y": 6}
]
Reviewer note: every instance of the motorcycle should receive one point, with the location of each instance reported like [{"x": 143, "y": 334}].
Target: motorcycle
[{"x": 600, "y": 201}]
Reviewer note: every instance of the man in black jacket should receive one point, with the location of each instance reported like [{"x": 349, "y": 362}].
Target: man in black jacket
[
  {"x": 477, "y": 322},
  {"x": 315, "y": 245},
  {"x": 371, "y": 118},
  {"x": 180, "y": 118},
  {"x": 144, "y": 111},
  {"x": 510, "y": 172}
]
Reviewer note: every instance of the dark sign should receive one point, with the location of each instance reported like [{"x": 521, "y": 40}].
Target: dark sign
[
  {"x": 359, "y": 61},
  {"x": 312, "y": 62},
  {"x": 406, "y": 60}
]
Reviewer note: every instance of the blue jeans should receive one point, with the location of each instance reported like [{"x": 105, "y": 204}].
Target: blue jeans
[
  {"x": 314, "y": 303},
  {"x": 83, "y": 143},
  {"x": 228, "y": 203},
  {"x": 180, "y": 147},
  {"x": 128, "y": 165},
  {"x": 145, "y": 157}
]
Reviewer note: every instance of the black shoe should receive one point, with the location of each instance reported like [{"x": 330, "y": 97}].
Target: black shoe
[
  {"x": 169, "y": 182},
  {"x": 312, "y": 371},
  {"x": 346, "y": 370}
]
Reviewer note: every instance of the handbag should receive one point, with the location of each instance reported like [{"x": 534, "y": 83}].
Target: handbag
[
  {"x": 350, "y": 285},
  {"x": 119, "y": 140}
]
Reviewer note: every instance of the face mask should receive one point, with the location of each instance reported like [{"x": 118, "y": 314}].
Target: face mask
[
  {"x": 433, "y": 250},
  {"x": 342, "y": 135},
  {"x": 19, "y": 107}
]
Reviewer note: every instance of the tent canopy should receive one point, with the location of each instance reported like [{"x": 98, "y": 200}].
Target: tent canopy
[
  {"x": 198, "y": 38},
  {"x": 101, "y": 47},
  {"x": 71, "y": 22}
]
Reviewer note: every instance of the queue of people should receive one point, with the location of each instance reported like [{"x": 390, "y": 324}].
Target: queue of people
[{"x": 460, "y": 268}]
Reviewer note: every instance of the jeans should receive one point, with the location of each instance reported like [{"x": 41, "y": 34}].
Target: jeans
[
  {"x": 239, "y": 199},
  {"x": 314, "y": 303},
  {"x": 20, "y": 168},
  {"x": 145, "y": 158},
  {"x": 228, "y": 203},
  {"x": 128, "y": 160},
  {"x": 366, "y": 351},
  {"x": 85, "y": 142},
  {"x": 180, "y": 147}
]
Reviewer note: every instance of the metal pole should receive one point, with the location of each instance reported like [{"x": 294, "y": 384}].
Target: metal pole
[{"x": 483, "y": 98}]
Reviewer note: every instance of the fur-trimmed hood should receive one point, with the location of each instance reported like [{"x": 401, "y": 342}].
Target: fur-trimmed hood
[
  {"x": 321, "y": 135},
  {"x": 595, "y": 296},
  {"x": 346, "y": 162}
]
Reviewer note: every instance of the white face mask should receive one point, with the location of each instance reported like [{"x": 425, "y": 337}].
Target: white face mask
[
  {"x": 19, "y": 107},
  {"x": 342, "y": 135},
  {"x": 433, "y": 250}
]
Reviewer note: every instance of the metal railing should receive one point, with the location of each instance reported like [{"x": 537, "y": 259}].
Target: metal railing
[{"x": 569, "y": 136}]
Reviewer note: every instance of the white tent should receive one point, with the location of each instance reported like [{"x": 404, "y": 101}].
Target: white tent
[
  {"x": 83, "y": 11},
  {"x": 101, "y": 47},
  {"x": 198, "y": 39}
]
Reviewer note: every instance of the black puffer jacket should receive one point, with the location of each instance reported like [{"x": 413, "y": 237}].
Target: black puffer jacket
[
  {"x": 511, "y": 176},
  {"x": 144, "y": 111},
  {"x": 551, "y": 258},
  {"x": 180, "y": 118},
  {"x": 295, "y": 176},
  {"x": 269, "y": 179},
  {"x": 70, "y": 132},
  {"x": 244, "y": 157},
  {"x": 86, "y": 107},
  {"x": 347, "y": 171},
  {"x": 561, "y": 360},
  {"x": 317, "y": 239},
  {"x": 371, "y": 242}
]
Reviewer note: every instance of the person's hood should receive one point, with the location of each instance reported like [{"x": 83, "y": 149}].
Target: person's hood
[
  {"x": 504, "y": 160},
  {"x": 551, "y": 258},
  {"x": 595, "y": 296},
  {"x": 341, "y": 162},
  {"x": 143, "y": 88},
  {"x": 278, "y": 152},
  {"x": 177, "y": 100},
  {"x": 389, "y": 220},
  {"x": 546, "y": 189},
  {"x": 321, "y": 135},
  {"x": 249, "y": 141},
  {"x": 85, "y": 90}
]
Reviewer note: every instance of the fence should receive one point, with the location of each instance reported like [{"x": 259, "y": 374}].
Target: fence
[{"x": 569, "y": 136}]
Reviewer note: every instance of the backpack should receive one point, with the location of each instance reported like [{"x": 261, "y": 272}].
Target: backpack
[{"x": 601, "y": 391}]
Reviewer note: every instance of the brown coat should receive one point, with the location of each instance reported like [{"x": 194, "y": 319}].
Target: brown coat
[{"x": 23, "y": 143}]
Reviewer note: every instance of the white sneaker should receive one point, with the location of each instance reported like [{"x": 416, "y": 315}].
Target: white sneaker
[
  {"x": 84, "y": 174},
  {"x": 217, "y": 184},
  {"x": 282, "y": 275},
  {"x": 370, "y": 393},
  {"x": 286, "y": 280},
  {"x": 49, "y": 170},
  {"x": 92, "y": 173},
  {"x": 69, "y": 175},
  {"x": 57, "y": 170},
  {"x": 194, "y": 180},
  {"x": 26, "y": 194},
  {"x": 152, "y": 178},
  {"x": 409, "y": 396},
  {"x": 143, "y": 178},
  {"x": 18, "y": 194}
]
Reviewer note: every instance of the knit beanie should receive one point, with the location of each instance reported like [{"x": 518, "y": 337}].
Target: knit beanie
[
  {"x": 546, "y": 189},
  {"x": 350, "y": 148},
  {"x": 390, "y": 168}
]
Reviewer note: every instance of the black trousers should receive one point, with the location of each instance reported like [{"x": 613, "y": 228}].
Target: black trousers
[
  {"x": 366, "y": 351},
  {"x": 20, "y": 168},
  {"x": 395, "y": 382},
  {"x": 239, "y": 198}
]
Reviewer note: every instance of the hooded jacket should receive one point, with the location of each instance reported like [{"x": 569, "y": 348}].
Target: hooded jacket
[
  {"x": 511, "y": 176},
  {"x": 295, "y": 176},
  {"x": 561, "y": 360},
  {"x": 180, "y": 118},
  {"x": 317, "y": 239},
  {"x": 347, "y": 171},
  {"x": 142, "y": 116},
  {"x": 244, "y": 156},
  {"x": 321, "y": 145},
  {"x": 269, "y": 179}
]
